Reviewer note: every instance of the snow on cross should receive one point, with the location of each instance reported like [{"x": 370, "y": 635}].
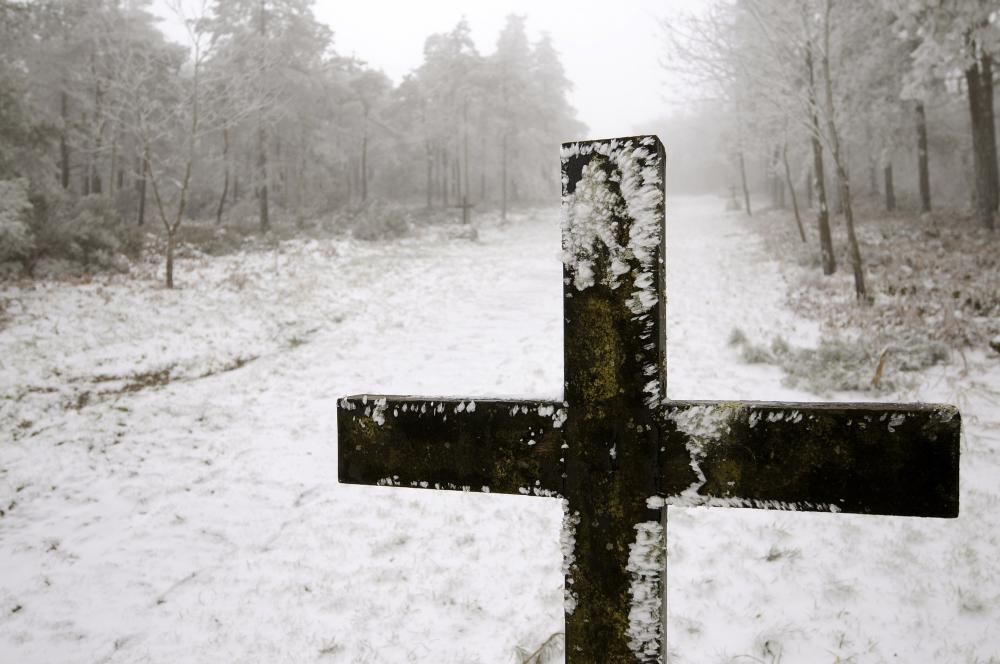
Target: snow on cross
[{"x": 617, "y": 451}]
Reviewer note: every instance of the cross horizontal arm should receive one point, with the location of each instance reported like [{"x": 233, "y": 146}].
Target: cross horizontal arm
[
  {"x": 863, "y": 458},
  {"x": 471, "y": 445}
]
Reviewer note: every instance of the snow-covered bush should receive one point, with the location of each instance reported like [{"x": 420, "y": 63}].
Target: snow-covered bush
[
  {"x": 88, "y": 231},
  {"x": 97, "y": 231},
  {"x": 934, "y": 280},
  {"x": 212, "y": 239},
  {"x": 378, "y": 220},
  {"x": 16, "y": 239},
  {"x": 845, "y": 364}
]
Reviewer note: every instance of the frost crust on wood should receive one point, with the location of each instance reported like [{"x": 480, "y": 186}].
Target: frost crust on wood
[
  {"x": 647, "y": 562},
  {"x": 613, "y": 229},
  {"x": 567, "y": 542}
]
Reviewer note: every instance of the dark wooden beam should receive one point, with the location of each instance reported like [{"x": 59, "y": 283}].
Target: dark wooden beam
[
  {"x": 865, "y": 458},
  {"x": 460, "y": 444}
]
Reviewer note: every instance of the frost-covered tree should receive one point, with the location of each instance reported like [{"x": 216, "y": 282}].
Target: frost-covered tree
[
  {"x": 285, "y": 47},
  {"x": 555, "y": 119},
  {"x": 19, "y": 135},
  {"x": 960, "y": 36},
  {"x": 487, "y": 127},
  {"x": 450, "y": 80},
  {"x": 510, "y": 71}
]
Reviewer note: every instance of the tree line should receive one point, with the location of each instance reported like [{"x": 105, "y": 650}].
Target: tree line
[
  {"x": 105, "y": 123},
  {"x": 848, "y": 87}
]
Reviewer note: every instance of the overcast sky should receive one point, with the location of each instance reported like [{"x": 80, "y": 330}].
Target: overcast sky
[{"x": 610, "y": 48}]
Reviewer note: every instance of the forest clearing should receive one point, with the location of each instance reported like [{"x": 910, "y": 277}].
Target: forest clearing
[
  {"x": 169, "y": 492},
  {"x": 221, "y": 218}
]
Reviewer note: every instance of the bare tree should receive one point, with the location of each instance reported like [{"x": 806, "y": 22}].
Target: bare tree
[
  {"x": 843, "y": 178},
  {"x": 165, "y": 100}
]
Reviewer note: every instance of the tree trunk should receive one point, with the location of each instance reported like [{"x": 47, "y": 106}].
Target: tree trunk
[
  {"x": 94, "y": 161},
  {"x": 89, "y": 165},
  {"x": 503, "y": 178},
  {"x": 890, "y": 189},
  {"x": 771, "y": 178},
  {"x": 444, "y": 175},
  {"x": 282, "y": 169},
  {"x": 465, "y": 160},
  {"x": 983, "y": 153},
  {"x": 265, "y": 216},
  {"x": 482, "y": 166},
  {"x": 922, "y": 159},
  {"x": 860, "y": 291},
  {"x": 302, "y": 181},
  {"x": 457, "y": 178},
  {"x": 777, "y": 179},
  {"x": 809, "y": 187},
  {"x": 743, "y": 182},
  {"x": 791, "y": 190},
  {"x": 265, "y": 220},
  {"x": 872, "y": 161},
  {"x": 364, "y": 160},
  {"x": 838, "y": 201},
  {"x": 349, "y": 180},
  {"x": 144, "y": 170},
  {"x": 429, "y": 154},
  {"x": 225, "y": 176},
  {"x": 170, "y": 258},
  {"x": 819, "y": 180},
  {"x": 114, "y": 163},
  {"x": 823, "y": 214},
  {"x": 64, "y": 140},
  {"x": 989, "y": 124}
]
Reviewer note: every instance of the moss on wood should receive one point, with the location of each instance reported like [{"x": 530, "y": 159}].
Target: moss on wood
[
  {"x": 504, "y": 447},
  {"x": 864, "y": 458}
]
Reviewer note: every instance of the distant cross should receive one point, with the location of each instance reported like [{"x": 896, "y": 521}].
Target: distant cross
[
  {"x": 466, "y": 208},
  {"x": 616, "y": 450}
]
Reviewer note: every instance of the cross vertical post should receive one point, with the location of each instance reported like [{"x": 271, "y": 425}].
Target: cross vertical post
[{"x": 615, "y": 375}]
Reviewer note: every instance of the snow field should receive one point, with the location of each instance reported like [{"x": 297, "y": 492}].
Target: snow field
[{"x": 195, "y": 516}]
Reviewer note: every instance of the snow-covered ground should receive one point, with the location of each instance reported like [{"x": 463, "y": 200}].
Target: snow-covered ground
[{"x": 168, "y": 469}]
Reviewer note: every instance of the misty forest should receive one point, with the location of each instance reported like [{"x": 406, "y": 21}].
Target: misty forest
[
  {"x": 109, "y": 126},
  {"x": 216, "y": 222}
]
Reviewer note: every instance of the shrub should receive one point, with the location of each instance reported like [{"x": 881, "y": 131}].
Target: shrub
[
  {"x": 754, "y": 354},
  {"x": 779, "y": 346},
  {"x": 88, "y": 231},
  {"x": 213, "y": 239},
  {"x": 378, "y": 220},
  {"x": 244, "y": 213},
  {"x": 737, "y": 337},
  {"x": 17, "y": 242},
  {"x": 98, "y": 232}
]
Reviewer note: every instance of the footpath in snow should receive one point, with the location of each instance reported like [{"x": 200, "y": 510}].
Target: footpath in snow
[{"x": 169, "y": 490}]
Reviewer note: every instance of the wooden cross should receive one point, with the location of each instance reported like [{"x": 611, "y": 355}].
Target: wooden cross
[
  {"x": 466, "y": 208},
  {"x": 616, "y": 450}
]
